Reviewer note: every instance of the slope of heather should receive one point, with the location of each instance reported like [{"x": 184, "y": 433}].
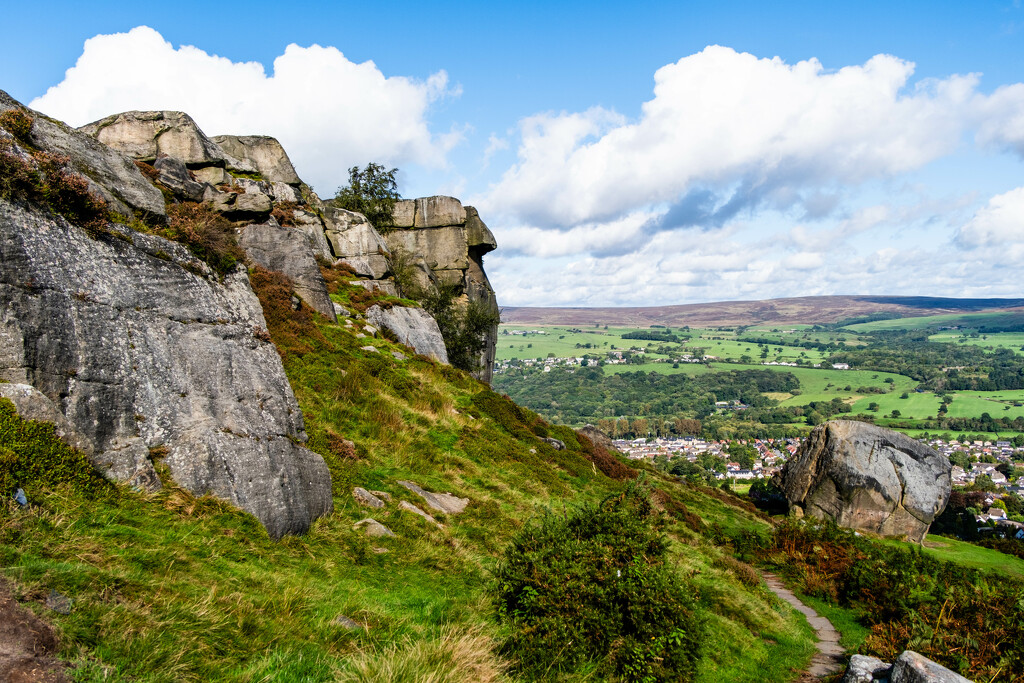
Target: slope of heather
[{"x": 805, "y": 310}]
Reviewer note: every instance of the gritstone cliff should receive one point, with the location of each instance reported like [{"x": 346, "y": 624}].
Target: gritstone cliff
[{"x": 137, "y": 349}]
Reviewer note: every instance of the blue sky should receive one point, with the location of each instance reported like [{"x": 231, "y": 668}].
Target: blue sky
[{"x": 813, "y": 148}]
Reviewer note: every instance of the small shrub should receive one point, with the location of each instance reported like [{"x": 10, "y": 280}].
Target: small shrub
[
  {"x": 593, "y": 586},
  {"x": 206, "y": 233},
  {"x": 148, "y": 170},
  {"x": 67, "y": 193},
  {"x": 293, "y": 331},
  {"x": 463, "y": 327},
  {"x": 17, "y": 123},
  {"x": 284, "y": 213},
  {"x": 19, "y": 180}
]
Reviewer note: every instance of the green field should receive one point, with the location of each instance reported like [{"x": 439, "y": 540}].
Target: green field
[
  {"x": 816, "y": 384},
  {"x": 967, "y": 320},
  {"x": 563, "y": 342},
  {"x": 989, "y": 341}
]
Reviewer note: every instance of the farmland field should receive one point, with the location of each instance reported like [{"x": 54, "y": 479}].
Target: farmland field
[
  {"x": 872, "y": 393},
  {"x": 989, "y": 340}
]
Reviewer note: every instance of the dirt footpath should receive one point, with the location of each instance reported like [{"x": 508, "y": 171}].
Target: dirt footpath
[
  {"x": 28, "y": 645},
  {"x": 830, "y": 658}
]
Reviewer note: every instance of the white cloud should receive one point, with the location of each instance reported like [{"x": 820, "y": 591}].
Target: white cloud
[
  {"x": 758, "y": 129},
  {"x": 1001, "y": 118},
  {"x": 995, "y": 235},
  {"x": 328, "y": 112}
]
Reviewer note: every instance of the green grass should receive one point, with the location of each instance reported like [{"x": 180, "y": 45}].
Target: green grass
[
  {"x": 852, "y": 633},
  {"x": 970, "y": 555},
  {"x": 168, "y": 587},
  {"x": 929, "y": 321},
  {"x": 989, "y": 341}
]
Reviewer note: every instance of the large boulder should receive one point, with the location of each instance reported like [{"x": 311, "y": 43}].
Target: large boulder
[
  {"x": 147, "y": 354},
  {"x": 145, "y": 135},
  {"x": 110, "y": 174},
  {"x": 910, "y": 667},
  {"x": 258, "y": 154},
  {"x": 869, "y": 478},
  {"x": 414, "y": 327}
]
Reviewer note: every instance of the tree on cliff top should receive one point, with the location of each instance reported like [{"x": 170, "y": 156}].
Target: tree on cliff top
[{"x": 372, "y": 192}]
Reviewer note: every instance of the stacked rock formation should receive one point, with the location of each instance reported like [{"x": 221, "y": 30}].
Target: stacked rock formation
[
  {"x": 869, "y": 478},
  {"x": 445, "y": 244},
  {"x": 284, "y": 226},
  {"x": 138, "y": 351}
]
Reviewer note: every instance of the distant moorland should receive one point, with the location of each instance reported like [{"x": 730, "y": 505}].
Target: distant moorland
[
  {"x": 957, "y": 372},
  {"x": 808, "y": 310}
]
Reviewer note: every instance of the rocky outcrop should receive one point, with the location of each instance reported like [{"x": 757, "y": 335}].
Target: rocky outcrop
[
  {"x": 435, "y": 241},
  {"x": 111, "y": 175},
  {"x": 145, "y": 355},
  {"x": 137, "y": 351},
  {"x": 598, "y": 438},
  {"x": 258, "y": 154},
  {"x": 146, "y": 135},
  {"x": 242, "y": 177},
  {"x": 444, "y": 243},
  {"x": 355, "y": 242},
  {"x": 910, "y": 667},
  {"x": 869, "y": 478},
  {"x": 288, "y": 251},
  {"x": 413, "y": 327}
]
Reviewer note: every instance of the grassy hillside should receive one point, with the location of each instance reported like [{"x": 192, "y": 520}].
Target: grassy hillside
[{"x": 170, "y": 587}]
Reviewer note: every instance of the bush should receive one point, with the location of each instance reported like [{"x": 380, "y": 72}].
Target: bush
[
  {"x": 463, "y": 327},
  {"x": 592, "y": 587},
  {"x": 49, "y": 180},
  {"x": 206, "y": 233},
  {"x": 17, "y": 123}
]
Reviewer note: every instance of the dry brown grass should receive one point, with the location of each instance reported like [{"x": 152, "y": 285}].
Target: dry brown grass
[{"x": 453, "y": 656}]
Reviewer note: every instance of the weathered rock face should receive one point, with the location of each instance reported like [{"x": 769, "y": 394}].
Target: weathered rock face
[
  {"x": 355, "y": 242},
  {"x": 446, "y": 242},
  {"x": 138, "y": 352},
  {"x": 413, "y": 326},
  {"x": 146, "y": 135},
  {"x": 110, "y": 174},
  {"x": 196, "y": 168},
  {"x": 869, "y": 478},
  {"x": 288, "y": 251},
  {"x": 258, "y": 154}
]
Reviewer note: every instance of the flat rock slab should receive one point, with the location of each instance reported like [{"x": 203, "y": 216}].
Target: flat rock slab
[
  {"x": 829, "y": 659},
  {"x": 409, "y": 507},
  {"x": 373, "y": 528},
  {"x": 442, "y": 502},
  {"x": 364, "y": 497}
]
